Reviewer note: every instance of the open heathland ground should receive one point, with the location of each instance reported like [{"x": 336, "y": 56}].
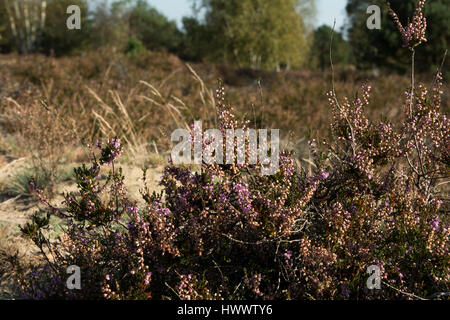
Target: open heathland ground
[{"x": 52, "y": 108}]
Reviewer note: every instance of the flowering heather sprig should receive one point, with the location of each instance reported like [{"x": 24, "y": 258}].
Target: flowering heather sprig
[
  {"x": 110, "y": 151},
  {"x": 414, "y": 33}
]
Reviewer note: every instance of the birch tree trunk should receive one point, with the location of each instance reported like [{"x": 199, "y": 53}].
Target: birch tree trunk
[{"x": 26, "y": 21}]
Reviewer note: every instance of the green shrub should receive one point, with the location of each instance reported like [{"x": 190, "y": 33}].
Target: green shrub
[{"x": 134, "y": 47}]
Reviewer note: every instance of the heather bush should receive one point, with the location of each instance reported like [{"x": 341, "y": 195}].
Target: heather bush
[{"x": 376, "y": 194}]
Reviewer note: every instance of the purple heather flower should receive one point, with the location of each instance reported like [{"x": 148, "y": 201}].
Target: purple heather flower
[
  {"x": 324, "y": 175},
  {"x": 163, "y": 211},
  {"x": 109, "y": 151},
  {"x": 288, "y": 255},
  {"x": 132, "y": 209},
  {"x": 435, "y": 224},
  {"x": 345, "y": 291}
]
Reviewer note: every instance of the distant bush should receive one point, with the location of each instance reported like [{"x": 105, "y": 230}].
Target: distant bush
[{"x": 134, "y": 47}]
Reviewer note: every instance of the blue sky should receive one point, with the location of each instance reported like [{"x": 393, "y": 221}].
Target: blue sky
[{"x": 327, "y": 10}]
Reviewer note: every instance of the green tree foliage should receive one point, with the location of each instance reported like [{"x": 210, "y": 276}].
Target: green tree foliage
[
  {"x": 5, "y": 37},
  {"x": 122, "y": 21},
  {"x": 152, "y": 28},
  {"x": 195, "y": 42},
  {"x": 381, "y": 48},
  {"x": 256, "y": 33},
  {"x": 40, "y": 26},
  {"x": 110, "y": 23},
  {"x": 56, "y": 37},
  {"x": 320, "y": 49},
  {"x": 103, "y": 24}
]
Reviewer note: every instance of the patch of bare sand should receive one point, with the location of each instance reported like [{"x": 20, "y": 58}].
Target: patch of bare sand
[{"x": 15, "y": 209}]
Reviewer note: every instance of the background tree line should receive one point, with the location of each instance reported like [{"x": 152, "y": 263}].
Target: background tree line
[{"x": 256, "y": 34}]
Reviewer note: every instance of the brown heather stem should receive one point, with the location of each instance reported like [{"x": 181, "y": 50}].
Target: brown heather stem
[
  {"x": 336, "y": 101},
  {"x": 412, "y": 82},
  {"x": 411, "y": 105},
  {"x": 50, "y": 263},
  {"x": 439, "y": 70},
  {"x": 403, "y": 292},
  {"x": 115, "y": 190}
]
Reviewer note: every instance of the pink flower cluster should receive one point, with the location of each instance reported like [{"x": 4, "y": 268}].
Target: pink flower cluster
[{"x": 414, "y": 33}]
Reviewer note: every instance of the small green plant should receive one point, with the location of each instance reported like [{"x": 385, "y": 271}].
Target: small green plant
[
  {"x": 19, "y": 184},
  {"x": 134, "y": 47}
]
